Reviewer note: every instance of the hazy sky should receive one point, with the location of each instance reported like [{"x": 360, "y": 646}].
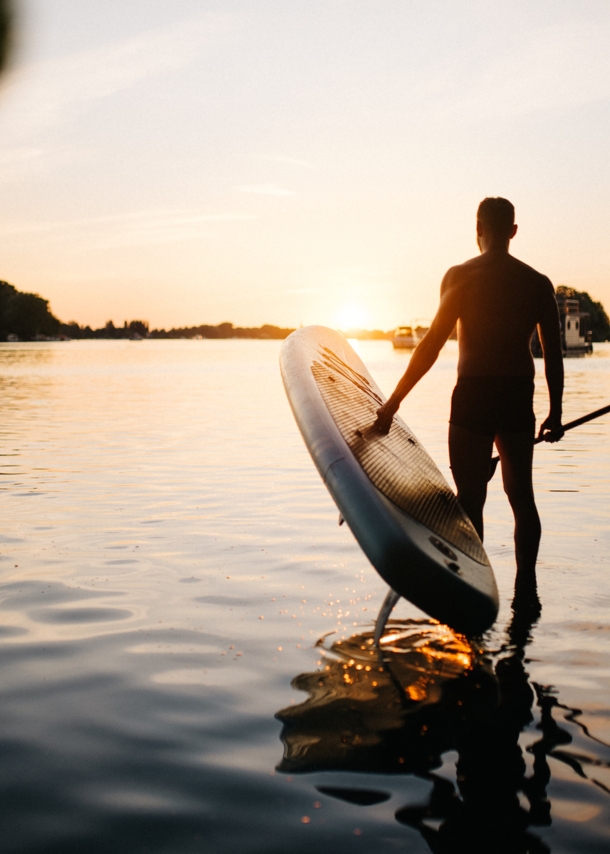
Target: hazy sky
[{"x": 297, "y": 161}]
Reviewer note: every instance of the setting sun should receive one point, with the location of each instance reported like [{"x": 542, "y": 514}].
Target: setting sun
[{"x": 351, "y": 316}]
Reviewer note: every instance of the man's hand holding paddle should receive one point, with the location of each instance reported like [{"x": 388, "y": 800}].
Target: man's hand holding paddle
[{"x": 551, "y": 429}]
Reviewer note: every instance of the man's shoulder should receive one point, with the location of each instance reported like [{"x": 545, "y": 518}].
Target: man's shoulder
[
  {"x": 533, "y": 275},
  {"x": 466, "y": 265},
  {"x": 459, "y": 273},
  {"x": 459, "y": 269},
  {"x": 484, "y": 263}
]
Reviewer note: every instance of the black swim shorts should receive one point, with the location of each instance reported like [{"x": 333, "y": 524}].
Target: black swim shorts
[{"x": 492, "y": 405}]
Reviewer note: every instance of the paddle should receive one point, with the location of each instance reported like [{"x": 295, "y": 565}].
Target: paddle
[{"x": 569, "y": 426}]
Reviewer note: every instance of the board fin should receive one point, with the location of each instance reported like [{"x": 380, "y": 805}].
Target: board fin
[{"x": 386, "y": 609}]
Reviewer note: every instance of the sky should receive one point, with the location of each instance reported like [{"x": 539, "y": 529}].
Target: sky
[{"x": 297, "y": 161}]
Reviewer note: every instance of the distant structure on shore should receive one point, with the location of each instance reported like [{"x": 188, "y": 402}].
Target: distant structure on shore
[{"x": 582, "y": 321}]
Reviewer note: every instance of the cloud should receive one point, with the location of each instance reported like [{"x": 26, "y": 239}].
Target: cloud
[
  {"x": 19, "y": 155},
  {"x": 285, "y": 160},
  {"x": 16, "y": 163},
  {"x": 266, "y": 190},
  {"x": 133, "y": 228},
  {"x": 554, "y": 68},
  {"x": 42, "y": 91}
]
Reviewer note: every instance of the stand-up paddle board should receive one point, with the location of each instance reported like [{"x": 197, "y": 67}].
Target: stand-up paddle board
[{"x": 389, "y": 491}]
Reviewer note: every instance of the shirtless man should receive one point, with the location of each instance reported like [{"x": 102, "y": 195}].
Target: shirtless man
[{"x": 497, "y": 302}]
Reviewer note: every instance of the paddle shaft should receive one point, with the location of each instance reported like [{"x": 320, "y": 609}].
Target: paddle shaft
[{"x": 569, "y": 426}]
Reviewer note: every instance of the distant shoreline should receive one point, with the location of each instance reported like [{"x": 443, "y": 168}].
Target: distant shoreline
[
  {"x": 267, "y": 332},
  {"x": 227, "y": 330},
  {"x": 27, "y": 317}
]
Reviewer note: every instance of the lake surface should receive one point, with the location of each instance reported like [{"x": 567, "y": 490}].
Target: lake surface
[{"x": 185, "y": 657}]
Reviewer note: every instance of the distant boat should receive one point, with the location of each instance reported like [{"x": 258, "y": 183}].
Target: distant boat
[{"x": 405, "y": 338}]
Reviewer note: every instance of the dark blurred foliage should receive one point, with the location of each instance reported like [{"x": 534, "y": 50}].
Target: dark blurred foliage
[
  {"x": 599, "y": 323},
  {"x": 25, "y": 315},
  {"x": 6, "y": 31},
  {"x": 29, "y": 318}
]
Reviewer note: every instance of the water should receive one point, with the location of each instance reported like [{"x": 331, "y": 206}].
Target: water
[{"x": 170, "y": 563}]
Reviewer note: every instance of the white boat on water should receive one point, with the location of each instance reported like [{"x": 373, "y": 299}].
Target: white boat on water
[{"x": 405, "y": 338}]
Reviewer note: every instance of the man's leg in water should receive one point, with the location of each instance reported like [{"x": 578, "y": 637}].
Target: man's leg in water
[
  {"x": 516, "y": 452},
  {"x": 470, "y": 455}
]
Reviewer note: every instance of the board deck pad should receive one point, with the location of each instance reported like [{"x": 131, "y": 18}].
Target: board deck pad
[
  {"x": 388, "y": 489},
  {"x": 396, "y": 463}
]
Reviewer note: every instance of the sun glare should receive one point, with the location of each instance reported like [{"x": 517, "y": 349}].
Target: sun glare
[{"x": 351, "y": 317}]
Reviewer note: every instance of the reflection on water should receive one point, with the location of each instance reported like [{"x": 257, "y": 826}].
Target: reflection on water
[
  {"x": 426, "y": 692},
  {"x": 364, "y": 705},
  {"x": 168, "y": 559}
]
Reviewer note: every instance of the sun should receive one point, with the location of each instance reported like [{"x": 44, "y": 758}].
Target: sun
[{"x": 351, "y": 316}]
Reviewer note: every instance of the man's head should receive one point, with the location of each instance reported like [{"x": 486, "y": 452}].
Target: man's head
[{"x": 495, "y": 221}]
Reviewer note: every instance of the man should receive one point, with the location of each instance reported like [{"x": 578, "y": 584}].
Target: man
[{"x": 497, "y": 302}]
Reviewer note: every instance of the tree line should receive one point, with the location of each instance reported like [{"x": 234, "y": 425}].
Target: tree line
[
  {"x": 140, "y": 329},
  {"x": 28, "y": 317},
  {"x": 25, "y": 315},
  {"x": 599, "y": 323}
]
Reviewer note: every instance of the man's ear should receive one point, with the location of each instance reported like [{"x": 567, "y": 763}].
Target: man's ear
[
  {"x": 479, "y": 228},
  {"x": 514, "y": 231}
]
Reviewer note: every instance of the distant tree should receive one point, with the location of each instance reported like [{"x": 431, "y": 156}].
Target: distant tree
[
  {"x": 25, "y": 315},
  {"x": 71, "y": 330},
  {"x": 599, "y": 323},
  {"x": 6, "y": 293},
  {"x": 225, "y": 330},
  {"x": 138, "y": 327}
]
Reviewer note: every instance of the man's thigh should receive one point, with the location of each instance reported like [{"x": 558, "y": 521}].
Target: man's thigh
[
  {"x": 470, "y": 456},
  {"x": 516, "y": 452}
]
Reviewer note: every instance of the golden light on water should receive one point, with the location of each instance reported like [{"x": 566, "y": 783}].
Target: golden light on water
[{"x": 363, "y": 693}]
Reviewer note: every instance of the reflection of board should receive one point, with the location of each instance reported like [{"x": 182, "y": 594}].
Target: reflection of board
[{"x": 389, "y": 491}]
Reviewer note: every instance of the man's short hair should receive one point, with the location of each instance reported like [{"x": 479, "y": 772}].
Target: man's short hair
[{"x": 497, "y": 215}]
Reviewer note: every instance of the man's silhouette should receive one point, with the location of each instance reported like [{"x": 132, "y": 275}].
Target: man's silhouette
[{"x": 497, "y": 302}]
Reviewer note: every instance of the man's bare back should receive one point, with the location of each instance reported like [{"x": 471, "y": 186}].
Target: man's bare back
[{"x": 497, "y": 302}]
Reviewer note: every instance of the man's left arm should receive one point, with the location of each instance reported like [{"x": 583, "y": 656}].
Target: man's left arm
[{"x": 548, "y": 327}]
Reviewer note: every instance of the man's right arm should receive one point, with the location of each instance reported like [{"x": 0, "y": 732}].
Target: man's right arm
[
  {"x": 425, "y": 355},
  {"x": 550, "y": 337}
]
